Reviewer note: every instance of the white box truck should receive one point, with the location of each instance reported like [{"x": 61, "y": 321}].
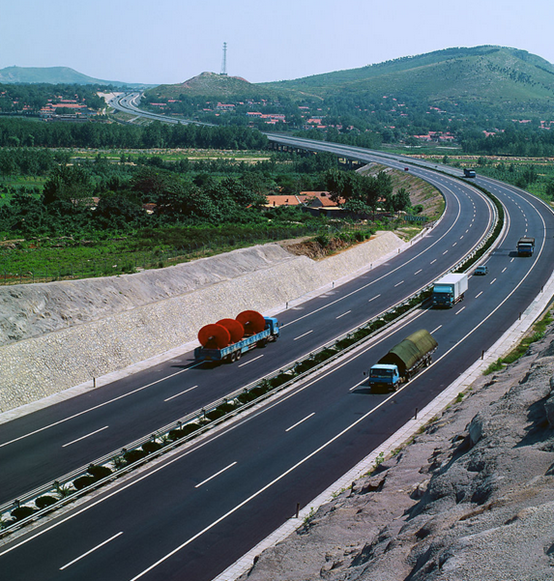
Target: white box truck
[{"x": 449, "y": 289}]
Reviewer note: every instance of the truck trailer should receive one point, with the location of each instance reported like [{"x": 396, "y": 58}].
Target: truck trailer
[
  {"x": 228, "y": 339},
  {"x": 403, "y": 361},
  {"x": 525, "y": 246},
  {"x": 449, "y": 290}
]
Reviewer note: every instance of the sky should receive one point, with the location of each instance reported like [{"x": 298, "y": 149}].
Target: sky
[{"x": 170, "y": 41}]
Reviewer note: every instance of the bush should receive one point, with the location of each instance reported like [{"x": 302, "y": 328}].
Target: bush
[
  {"x": 99, "y": 472},
  {"x": 133, "y": 455},
  {"x": 44, "y": 501},
  {"x": 151, "y": 446},
  {"x": 22, "y": 512},
  {"x": 84, "y": 481}
]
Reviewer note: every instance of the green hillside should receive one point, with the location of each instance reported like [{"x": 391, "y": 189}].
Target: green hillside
[
  {"x": 212, "y": 85},
  {"x": 486, "y": 75}
]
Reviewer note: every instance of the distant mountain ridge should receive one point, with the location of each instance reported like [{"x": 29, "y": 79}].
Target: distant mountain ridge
[
  {"x": 55, "y": 76},
  {"x": 486, "y": 76}
]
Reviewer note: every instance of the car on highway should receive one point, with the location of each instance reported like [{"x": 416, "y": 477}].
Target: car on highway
[{"x": 481, "y": 271}]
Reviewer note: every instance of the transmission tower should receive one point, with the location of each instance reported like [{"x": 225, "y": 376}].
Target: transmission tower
[{"x": 224, "y": 63}]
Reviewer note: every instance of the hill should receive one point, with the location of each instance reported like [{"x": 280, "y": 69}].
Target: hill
[
  {"x": 212, "y": 85},
  {"x": 485, "y": 75},
  {"x": 508, "y": 80},
  {"x": 54, "y": 76}
]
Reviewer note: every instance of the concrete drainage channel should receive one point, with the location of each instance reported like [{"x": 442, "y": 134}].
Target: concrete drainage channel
[{"x": 45, "y": 499}]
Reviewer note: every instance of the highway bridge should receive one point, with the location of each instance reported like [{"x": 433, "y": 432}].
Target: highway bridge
[{"x": 194, "y": 512}]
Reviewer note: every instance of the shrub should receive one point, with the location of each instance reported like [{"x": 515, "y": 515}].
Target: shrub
[
  {"x": 133, "y": 455},
  {"x": 44, "y": 501},
  {"x": 22, "y": 512},
  {"x": 151, "y": 446},
  {"x": 98, "y": 472},
  {"x": 84, "y": 481}
]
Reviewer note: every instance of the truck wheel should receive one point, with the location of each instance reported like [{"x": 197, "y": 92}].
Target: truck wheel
[{"x": 238, "y": 355}]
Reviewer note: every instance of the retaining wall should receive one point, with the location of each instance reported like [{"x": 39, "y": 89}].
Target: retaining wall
[{"x": 62, "y": 334}]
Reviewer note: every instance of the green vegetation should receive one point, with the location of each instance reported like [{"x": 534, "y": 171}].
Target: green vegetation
[
  {"x": 537, "y": 333},
  {"x": 483, "y": 99},
  {"x": 81, "y": 213}
]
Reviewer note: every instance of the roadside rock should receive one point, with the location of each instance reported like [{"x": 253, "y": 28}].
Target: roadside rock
[{"x": 472, "y": 498}]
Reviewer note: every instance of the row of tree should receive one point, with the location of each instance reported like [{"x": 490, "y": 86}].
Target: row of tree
[{"x": 16, "y": 132}]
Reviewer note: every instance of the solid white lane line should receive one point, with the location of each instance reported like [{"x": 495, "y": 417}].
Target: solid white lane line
[
  {"x": 460, "y": 311},
  {"x": 101, "y": 405},
  {"x": 376, "y": 297},
  {"x": 347, "y": 312},
  {"x": 478, "y": 295},
  {"x": 181, "y": 393},
  {"x": 215, "y": 475},
  {"x": 250, "y": 361},
  {"x": 84, "y": 437},
  {"x": 300, "y": 336},
  {"x": 435, "y": 330},
  {"x": 301, "y": 421},
  {"x": 91, "y": 551}
]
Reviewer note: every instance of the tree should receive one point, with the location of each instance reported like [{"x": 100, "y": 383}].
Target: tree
[{"x": 68, "y": 183}]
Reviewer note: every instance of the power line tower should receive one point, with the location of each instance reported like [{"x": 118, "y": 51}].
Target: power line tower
[{"x": 224, "y": 63}]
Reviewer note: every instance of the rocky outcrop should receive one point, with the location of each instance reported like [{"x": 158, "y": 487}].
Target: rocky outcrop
[{"x": 472, "y": 498}]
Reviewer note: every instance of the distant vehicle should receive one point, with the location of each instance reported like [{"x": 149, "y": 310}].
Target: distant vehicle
[
  {"x": 403, "y": 361},
  {"x": 469, "y": 173},
  {"x": 525, "y": 246},
  {"x": 406, "y": 169},
  {"x": 449, "y": 290},
  {"x": 481, "y": 271}
]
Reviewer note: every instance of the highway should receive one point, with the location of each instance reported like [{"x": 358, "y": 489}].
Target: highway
[
  {"x": 198, "y": 510},
  {"x": 41, "y": 447}
]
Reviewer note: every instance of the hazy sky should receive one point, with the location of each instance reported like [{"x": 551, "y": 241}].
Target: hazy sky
[{"x": 169, "y": 41}]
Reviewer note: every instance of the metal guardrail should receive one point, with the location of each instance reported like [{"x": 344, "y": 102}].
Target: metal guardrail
[{"x": 63, "y": 490}]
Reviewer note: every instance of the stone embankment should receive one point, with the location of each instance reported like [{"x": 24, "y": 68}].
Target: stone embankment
[
  {"x": 471, "y": 498},
  {"x": 58, "y": 335}
]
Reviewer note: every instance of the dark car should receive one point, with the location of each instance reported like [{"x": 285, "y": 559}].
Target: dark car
[{"x": 481, "y": 271}]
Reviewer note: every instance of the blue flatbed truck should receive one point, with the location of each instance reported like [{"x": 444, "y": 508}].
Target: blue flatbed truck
[{"x": 234, "y": 351}]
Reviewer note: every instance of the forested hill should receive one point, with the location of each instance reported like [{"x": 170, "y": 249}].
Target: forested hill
[
  {"x": 506, "y": 80},
  {"x": 487, "y": 75}
]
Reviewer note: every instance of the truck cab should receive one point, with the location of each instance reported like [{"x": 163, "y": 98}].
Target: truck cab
[
  {"x": 272, "y": 324},
  {"x": 383, "y": 375},
  {"x": 469, "y": 173}
]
